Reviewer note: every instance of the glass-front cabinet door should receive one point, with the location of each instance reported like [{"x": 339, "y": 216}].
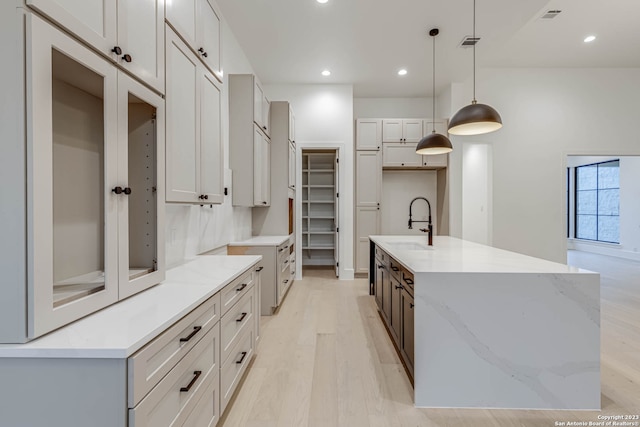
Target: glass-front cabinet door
[
  {"x": 72, "y": 161},
  {"x": 140, "y": 189}
]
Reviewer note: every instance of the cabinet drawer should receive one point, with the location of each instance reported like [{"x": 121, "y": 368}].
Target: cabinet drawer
[
  {"x": 235, "y": 290},
  {"x": 395, "y": 268},
  {"x": 234, "y": 367},
  {"x": 151, "y": 363},
  {"x": 178, "y": 392},
  {"x": 206, "y": 411},
  {"x": 235, "y": 322},
  {"x": 381, "y": 255}
]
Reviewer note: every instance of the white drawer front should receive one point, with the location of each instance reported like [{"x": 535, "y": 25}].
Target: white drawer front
[
  {"x": 206, "y": 411},
  {"x": 179, "y": 390},
  {"x": 235, "y": 290},
  {"x": 151, "y": 363},
  {"x": 235, "y": 322},
  {"x": 235, "y": 366}
]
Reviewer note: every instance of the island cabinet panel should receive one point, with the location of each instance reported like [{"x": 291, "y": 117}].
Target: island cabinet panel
[
  {"x": 470, "y": 332},
  {"x": 407, "y": 338}
]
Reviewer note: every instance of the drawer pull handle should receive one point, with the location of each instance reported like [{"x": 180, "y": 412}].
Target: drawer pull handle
[
  {"x": 241, "y": 318},
  {"x": 394, "y": 268},
  {"x": 380, "y": 266},
  {"x": 286, "y": 281},
  {"x": 244, "y": 354},
  {"x": 407, "y": 280},
  {"x": 286, "y": 262},
  {"x": 196, "y": 375},
  {"x": 196, "y": 329},
  {"x": 244, "y": 285},
  {"x": 259, "y": 269},
  {"x": 399, "y": 287}
]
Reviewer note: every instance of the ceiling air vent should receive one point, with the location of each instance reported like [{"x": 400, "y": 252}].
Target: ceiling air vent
[
  {"x": 550, "y": 14},
  {"x": 469, "y": 41}
]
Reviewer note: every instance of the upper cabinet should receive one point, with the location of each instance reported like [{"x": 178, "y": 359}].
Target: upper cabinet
[
  {"x": 369, "y": 134},
  {"x": 129, "y": 32},
  {"x": 198, "y": 23},
  {"x": 402, "y": 130},
  {"x": 94, "y": 158},
  {"x": 249, "y": 142},
  {"x": 194, "y": 132},
  {"x": 261, "y": 110}
]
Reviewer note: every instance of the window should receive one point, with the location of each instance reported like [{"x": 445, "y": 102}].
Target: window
[{"x": 598, "y": 202}]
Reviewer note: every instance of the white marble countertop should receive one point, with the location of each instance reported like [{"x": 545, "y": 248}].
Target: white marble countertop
[
  {"x": 452, "y": 255},
  {"x": 121, "y": 329},
  {"x": 262, "y": 241}
]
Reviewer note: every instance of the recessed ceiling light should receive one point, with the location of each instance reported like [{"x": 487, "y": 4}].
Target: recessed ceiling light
[
  {"x": 402, "y": 72},
  {"x": 326, "y": 73},
  {"x": 589, "y": 39},
  {"x": 322, "y": 1}
]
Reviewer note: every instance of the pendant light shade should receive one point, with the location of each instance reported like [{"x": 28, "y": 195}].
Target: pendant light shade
[
  {"x": 475, "y": 119},
  {"x": 434, "y": 143}
]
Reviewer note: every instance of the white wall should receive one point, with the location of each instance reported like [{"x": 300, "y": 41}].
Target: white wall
[
  {"x": 547, "y": 114},
  {"x": 324, "y": 115},
  {"x": 191, "y": 230},
  {"x": 629, "y": 246},
  {"x": 476, "y": 192},
  {"x": 397, "y": 195},
  {"x": 392, "y": 108}
]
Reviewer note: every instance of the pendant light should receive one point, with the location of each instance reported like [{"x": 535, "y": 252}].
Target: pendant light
[
  {"x": 475, "y": 119},
  {"x": 434, "y": 143}
]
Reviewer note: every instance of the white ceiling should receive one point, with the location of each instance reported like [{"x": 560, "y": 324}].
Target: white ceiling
[{"x": 365, "y": 42}]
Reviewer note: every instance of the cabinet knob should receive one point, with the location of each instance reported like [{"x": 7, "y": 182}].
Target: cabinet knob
[
  {"x": 117, "y": 50},
  {"x": 403, "y": 164},
  {"x": 127, "y": 191},
  {"x": 201, "y": 50},
  {"x": 264, "y": 203},
  {"x": 126, "y": 57},
  {"x": 411, "y": 305},
  {"x": 206, "y": 197},
  {"x": 117, "y": 190},
  {"x": 264, "y": 127}
]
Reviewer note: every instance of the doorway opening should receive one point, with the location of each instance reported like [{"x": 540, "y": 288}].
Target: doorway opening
[{"x": 320, "y": 209}]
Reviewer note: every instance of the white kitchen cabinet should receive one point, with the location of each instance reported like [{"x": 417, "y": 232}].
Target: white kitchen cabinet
[
  {"x": 261, "y": 111},
  {"x": 275, "y": 277},
  {"x": 198, "y": 23},
  {"x": 194, "y": 139},
  {"x": 250, "y": 148},
  {"x": 95, "y": 216},
  {"x": 262, "y": 169},
  {"x": 156, "y": 359},
  {"x": 402, "y": 130},
  {"x": 292, "y": 165},
  {"x": 130, "y": 32},
  {"x": 400, "y": 154},
  {"x": 369, "y": 134},
  {"x": 367, "y": 224},
  {"x": 368, "y": 178}
]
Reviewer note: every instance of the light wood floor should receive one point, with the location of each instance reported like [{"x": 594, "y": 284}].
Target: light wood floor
[{"x": 326, "y": 360}]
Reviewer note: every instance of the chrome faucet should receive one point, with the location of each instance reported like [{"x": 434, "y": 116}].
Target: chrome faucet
[{"x": 429, "y": 228}]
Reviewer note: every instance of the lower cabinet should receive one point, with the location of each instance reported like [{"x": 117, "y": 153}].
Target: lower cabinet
[
  {"x": 393, "y": 293},
  {"x": 277, "y": 276},
  {"x": 184, "y": 376}
]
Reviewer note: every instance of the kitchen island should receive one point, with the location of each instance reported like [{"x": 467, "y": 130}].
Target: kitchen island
[{"x": 481, "y": 327}]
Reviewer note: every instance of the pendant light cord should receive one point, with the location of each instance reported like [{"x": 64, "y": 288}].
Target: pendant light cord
[
  {"x": 474, "y": 52},
  {"x": 433, "y": 86}
]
